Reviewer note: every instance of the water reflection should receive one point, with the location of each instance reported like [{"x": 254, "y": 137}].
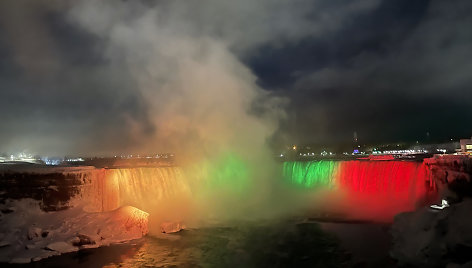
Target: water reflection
[{"x": 281, "y": 244}]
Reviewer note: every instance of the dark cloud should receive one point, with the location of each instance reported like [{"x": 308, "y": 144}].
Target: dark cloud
[
  {"x": 58, "y": 94},
  {"x": 392, "y": 79},
  {"x": 376, "y": 31},
  {"x": 104, "y": 77}
]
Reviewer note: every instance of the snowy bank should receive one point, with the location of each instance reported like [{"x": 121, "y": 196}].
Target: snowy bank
[
  {"x": 434, "y": 238},
  {"x": 29, "y": 234}
]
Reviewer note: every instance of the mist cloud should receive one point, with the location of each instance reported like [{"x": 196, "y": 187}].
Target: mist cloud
[
  {"x": 120, "y": 76},
  {"x": 108, "y": 77}
]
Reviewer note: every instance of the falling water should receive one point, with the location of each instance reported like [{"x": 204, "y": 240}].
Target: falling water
[
  {"x": 373, "y": 189},
  {"x": 311, "y": 174}
]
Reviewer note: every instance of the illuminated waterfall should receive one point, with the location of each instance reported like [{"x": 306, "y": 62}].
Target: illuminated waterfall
[
  {"x": 208, "y": 187},
  {"x": 148, "y": 187},
  {"x": 311, "y": 174},
  {"x": 392, "y": 179},
  {"x": 386, "y": 177},
  {"x": 144, "y": 188},
  {"x": 381, "y": 188}
]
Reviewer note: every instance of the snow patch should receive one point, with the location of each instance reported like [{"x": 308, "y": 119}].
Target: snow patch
[
  {"x": 62, "y": 247},
  {"x": 34, "y": 233},
  {"x": 30, "y": 234},
  {"x": 171, "y": 227}
]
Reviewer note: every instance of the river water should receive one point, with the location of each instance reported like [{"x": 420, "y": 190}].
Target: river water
[
  {"x": 370, "y": 190},
  {"x": 287, "y": 243}
]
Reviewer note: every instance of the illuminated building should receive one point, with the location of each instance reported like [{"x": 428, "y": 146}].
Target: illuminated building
[{"x": 466, "y": 145}]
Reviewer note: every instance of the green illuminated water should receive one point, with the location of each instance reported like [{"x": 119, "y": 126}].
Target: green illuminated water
[
  {"x": 310, "y": 174},
  {"x": 221, "y": 182},
  {"x": 228, "y": 171}
]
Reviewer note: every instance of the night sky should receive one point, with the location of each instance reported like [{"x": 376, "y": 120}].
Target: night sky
[{"x": 103, "y": 77}]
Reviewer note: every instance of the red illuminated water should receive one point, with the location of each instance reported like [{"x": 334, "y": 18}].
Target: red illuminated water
[{"x": 367, "y": 189}]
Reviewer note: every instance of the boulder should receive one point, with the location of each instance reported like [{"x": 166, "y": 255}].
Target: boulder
[
  {"x": 433, "y": 238},
  {"x": 34, "y": 233},
  {"x": 61, "y": 247},
  {"x": 81, "y": 240},
  {"x": 171, "y": 227}
]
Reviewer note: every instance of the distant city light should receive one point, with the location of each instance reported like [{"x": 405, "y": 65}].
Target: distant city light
[
  {"x": 79, "y": 159},
  {"x": 52, "y": 161},
  {"x": 420, "y": 151}
]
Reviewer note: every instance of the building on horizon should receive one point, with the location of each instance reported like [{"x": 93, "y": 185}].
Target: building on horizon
[{"x": 466, "y": 145}]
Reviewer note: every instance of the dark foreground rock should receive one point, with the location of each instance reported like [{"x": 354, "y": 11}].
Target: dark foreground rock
[{"x": 434, "y": 238}]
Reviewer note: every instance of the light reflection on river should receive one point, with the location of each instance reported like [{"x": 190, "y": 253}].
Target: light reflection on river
[{"x": 281, "y": 244}]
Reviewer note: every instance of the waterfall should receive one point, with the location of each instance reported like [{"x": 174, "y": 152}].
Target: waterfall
[
  {"x": 382, "y": 188},
  {"x": 386, "y": 177},
  {"x": 377, "y": 187},
  {"x": 147, "y": 188},
  {"x": 144, "y": 188},
  {"x": 311, "y": 174}
]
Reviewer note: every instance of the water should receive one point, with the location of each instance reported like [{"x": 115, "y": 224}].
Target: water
[
  {"x": 267, "y": 244},
  {"x": 144, "y": 188},
  {"x": 373, "y": 177},
  {"x": 366, "y": 189},
  {"x": 383, "y": 188},
  {"x": 375, "y": 190}
]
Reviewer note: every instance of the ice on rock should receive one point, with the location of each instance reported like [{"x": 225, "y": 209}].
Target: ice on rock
[
  {"x": 30, "y": 246},
  {"x": 33, "y": 233},
  {"x": 61, "y": 247},
  {"x": 81, "y": 240},
  {"x": 25, "y": 238},
  {"x": 171, "y": 227},
  {"x": 53, "y": 187},
  {"x": 132, "y": 220}
]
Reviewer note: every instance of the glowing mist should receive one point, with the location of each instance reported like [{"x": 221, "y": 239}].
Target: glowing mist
[{"x": 229, "y": 188}]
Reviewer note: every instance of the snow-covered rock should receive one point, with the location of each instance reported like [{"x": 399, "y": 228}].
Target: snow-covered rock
[
  {"x": 30, "y": 246},
  {"x": 434, "y": 238},
  {"x": 81, "y": 240},
  {"x": 171, "y": 227},
  {"x": 34, "y": 233},
  {"x": 61, "y": 247},
  {"x": 133, "y": 221},
  {"x": 30, "y": 234}
]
